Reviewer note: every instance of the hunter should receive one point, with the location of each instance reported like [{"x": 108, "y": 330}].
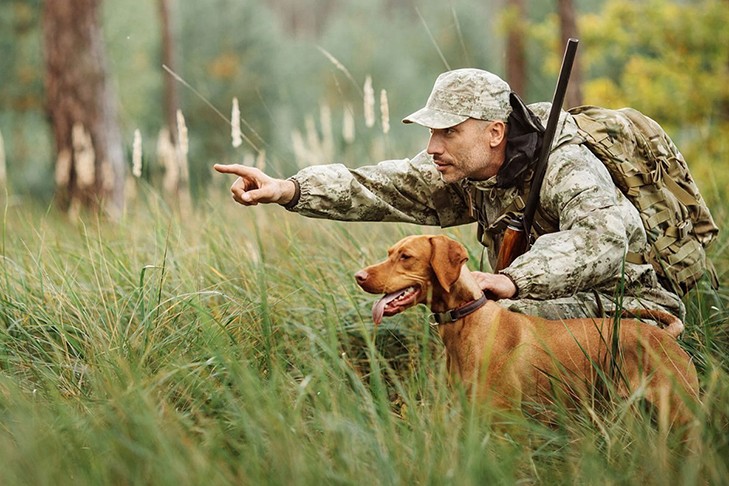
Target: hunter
[{"x": 476, "y": 168}]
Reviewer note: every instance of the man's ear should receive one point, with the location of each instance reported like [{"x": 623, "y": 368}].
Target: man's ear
[
  {"x": 446, "y": 259},
  {"x": 497, "y": 129}
]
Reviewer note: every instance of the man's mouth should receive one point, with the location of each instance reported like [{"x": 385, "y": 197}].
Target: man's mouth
[
  {"x": 394, "y": 303},
  {"x": 441, "y": 165}
]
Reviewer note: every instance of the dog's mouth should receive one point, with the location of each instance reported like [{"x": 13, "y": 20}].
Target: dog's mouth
[{"x": 394, "y": 303}]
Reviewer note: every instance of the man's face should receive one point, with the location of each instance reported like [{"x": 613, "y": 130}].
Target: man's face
[{"x": 473, "y": 149}]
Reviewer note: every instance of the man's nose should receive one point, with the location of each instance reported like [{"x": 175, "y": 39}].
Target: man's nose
[{"x": 435, "y": 146}]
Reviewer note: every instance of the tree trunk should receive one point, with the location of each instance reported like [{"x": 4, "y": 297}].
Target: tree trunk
[
  {"x": 171, "y": 99},
  {"x": 303, "y": 19},
  {"x": 516, "y": 64},
  {"x": 568, "y": 28},
  {"x": 82, "y": 108}
]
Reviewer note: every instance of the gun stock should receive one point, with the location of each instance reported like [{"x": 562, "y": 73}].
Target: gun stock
[
  {"x": 513, "y": 244},
  {"x": 516, "y": 237}
]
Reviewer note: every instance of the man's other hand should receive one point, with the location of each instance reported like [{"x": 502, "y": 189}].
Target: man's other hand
[{"x": 499, "y": 285}]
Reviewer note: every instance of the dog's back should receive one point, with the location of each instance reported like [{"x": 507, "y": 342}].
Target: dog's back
[{"x": 576, "y": 357}]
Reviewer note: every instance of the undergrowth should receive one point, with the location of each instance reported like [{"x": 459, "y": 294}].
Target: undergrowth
[{"x": 233, "y": 346}]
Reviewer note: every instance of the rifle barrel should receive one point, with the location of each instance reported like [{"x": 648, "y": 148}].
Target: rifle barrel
[{"x": 557, "y": 102}]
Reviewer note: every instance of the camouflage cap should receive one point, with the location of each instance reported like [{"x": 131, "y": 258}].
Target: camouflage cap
[{"x": 462, "y": 94}]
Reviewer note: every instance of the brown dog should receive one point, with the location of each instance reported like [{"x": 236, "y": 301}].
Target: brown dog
[{"x": 512, "y": 360}]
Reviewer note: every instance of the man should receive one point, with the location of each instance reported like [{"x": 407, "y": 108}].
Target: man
[{"x": 477, "y": 167}]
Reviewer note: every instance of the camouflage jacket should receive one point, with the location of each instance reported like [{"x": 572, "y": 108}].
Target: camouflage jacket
[{"x": 591, "y": 225}]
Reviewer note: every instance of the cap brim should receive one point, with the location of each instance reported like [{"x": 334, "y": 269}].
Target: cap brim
[{"x": 435, "y": 119}]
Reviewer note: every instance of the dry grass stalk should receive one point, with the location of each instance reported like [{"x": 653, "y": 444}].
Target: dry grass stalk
[
  {"x": 137, "y": 154},
  {"x": 312, "y": 147},
  {"x": 338, "y": 65},
  {"x": 182, "y": 142},
  {"x": 184, "y": 200},
  {"x": 183, "y": 147},
  {"x": 167, "y": 155},
  {"x": 235, "y": 132},
  {"x": 348, "y": 132},
  {"x": 384, "y": 112},
  {"x": 369, "y": 103}
]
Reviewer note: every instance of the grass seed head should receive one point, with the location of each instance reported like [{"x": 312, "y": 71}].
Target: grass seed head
[
  {"x": 137, "y": 154},
  {"x": 348, "y": 131},
  {"x": 235, "y": 132},
  {"x": 384, "y": 112},
  {"x": 369, "y": 103}
]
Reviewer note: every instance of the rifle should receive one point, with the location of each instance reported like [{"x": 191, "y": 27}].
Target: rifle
[{"x": 516, "y": 237}]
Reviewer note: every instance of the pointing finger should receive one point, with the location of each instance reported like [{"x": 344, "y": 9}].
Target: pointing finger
[{"x": 236, "y": 169}]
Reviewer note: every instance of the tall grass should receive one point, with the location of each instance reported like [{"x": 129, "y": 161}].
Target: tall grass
[{"x": 233, "y": 346}]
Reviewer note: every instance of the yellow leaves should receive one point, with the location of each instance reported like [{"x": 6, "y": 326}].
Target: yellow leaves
[
  {"x": 667, "y": 59},
  {"x": 225, "y": 66},
  {"x": 512, "y": 20},
  {"x": 27, "y": 73},
  {"x": 603, "y": 92},
  {"x": 25, "y": 16}
]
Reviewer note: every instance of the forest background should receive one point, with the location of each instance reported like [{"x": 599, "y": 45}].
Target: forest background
[
  {"x": 186, "y": 340},
  {"x": 292, "y": 63}
]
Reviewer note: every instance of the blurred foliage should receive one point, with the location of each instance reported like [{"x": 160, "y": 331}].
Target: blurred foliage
[
  {"x": 299, "y": 65},
  {"x": 671, "y": 61},
  {"x": 282, "y": 78},
  {"x": 22, "y": 123}
]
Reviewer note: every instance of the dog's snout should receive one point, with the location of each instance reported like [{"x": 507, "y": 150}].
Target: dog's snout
[{"x": 361, "y": 276}]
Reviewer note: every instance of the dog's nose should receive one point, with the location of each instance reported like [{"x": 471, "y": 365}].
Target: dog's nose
[{"x": 361, "y": 276}]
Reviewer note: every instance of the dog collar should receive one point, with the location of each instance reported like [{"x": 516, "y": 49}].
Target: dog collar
[{"x": 438, "y": 318}]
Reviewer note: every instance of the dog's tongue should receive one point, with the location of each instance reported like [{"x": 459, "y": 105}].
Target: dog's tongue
[{"x": 378, "y": 308}]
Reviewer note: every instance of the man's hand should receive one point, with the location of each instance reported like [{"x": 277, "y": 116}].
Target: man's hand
[
  {"x": 253, "y": 186},
  {"x": 499, "y": 285}
]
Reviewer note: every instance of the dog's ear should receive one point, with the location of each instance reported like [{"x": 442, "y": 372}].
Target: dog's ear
[{"x": 446, "y": 258}]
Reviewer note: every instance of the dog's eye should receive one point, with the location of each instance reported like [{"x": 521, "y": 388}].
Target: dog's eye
[{"x": 405, "y": 257}]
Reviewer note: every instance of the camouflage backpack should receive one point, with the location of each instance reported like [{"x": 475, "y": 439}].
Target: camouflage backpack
[{"x": 648, "y": 168}]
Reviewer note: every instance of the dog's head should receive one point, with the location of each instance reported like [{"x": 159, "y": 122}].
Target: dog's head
[{"x": 418, "y": 269}]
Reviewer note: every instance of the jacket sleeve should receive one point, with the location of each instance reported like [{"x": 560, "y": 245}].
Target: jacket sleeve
[
  {"x": 408, "y": 190},
  {"x": 597, "y": 226}
]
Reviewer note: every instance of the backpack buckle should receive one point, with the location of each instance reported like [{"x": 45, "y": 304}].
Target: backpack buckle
[{"x": 684, "y": 228}]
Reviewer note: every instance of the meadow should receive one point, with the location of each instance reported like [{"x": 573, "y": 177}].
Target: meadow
[
  {"x": 225, "y": 345},
  {"x": 232, "y": 346}
]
